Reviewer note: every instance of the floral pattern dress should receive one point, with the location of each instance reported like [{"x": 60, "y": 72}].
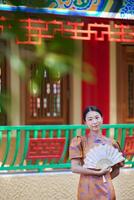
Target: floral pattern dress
[{"x": 92, "y": 187}]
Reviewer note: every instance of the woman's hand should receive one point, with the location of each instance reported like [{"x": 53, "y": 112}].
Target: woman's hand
[
  {"x": 121, "y": 164},
  {"x": 103, "y": 171},
  {"x": 77, "y": 167},
  {"x": 116, "y": 169}
]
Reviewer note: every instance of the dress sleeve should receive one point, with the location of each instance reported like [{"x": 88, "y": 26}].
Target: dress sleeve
[{"x": 75, "y": 149}]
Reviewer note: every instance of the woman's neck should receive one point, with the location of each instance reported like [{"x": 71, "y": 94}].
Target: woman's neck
[{"x": 95, "y": 133}]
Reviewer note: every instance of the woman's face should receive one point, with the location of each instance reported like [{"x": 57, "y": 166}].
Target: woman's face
[{"x": 93, "y": 120}]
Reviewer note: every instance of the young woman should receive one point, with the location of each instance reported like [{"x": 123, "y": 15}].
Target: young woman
[{"x": 91, "y": 184}]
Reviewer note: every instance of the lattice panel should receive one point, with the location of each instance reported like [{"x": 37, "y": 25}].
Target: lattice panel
[
  {"x": 48, "y": 103},
  {"x": 37, "y": 30},
  {"x": 131, "y": 91},
  {"x": 3, "y": 84}
]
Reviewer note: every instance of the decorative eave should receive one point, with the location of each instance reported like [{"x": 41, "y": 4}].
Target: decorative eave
[{"x": 68, "y": 12}]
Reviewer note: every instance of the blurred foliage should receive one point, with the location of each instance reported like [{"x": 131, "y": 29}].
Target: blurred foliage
[
  {"x": 29, "y": 3},
  {"x": 5, "y": 102},
  {"x": 55, "y": 55}
]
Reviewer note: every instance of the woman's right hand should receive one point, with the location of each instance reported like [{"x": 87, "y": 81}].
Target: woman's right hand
[{"x": 103, "y": 171}]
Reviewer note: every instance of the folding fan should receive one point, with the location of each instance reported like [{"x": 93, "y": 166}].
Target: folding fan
[{"x": 102, "y": 156}]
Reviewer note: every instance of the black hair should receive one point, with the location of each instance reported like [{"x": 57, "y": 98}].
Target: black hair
[{"x": 91, "y": 108}]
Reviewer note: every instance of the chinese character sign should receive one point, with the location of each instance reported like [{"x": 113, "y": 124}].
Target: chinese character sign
[{"x": 129, "y": 146}]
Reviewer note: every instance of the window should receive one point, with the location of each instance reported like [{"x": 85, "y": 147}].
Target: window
[{"x": 51, "y": 104}]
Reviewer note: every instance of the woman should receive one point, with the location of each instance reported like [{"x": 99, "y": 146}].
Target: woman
[{"x": 91, "y": 184}]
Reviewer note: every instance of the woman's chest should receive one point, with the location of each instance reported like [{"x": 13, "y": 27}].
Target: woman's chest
[{"x": 90, "y": 143}]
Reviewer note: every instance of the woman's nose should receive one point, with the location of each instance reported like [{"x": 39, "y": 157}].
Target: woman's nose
[{"x": 94, "y": 121}]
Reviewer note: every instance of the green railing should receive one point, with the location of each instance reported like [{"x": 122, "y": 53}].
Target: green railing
[{"x": 14, "y": 141}]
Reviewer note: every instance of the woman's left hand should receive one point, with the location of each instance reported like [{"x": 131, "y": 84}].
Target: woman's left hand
[{"x": 118, "y": 165}]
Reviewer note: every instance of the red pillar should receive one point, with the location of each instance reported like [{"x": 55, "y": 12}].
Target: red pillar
[{"x": 96, "y": 53}]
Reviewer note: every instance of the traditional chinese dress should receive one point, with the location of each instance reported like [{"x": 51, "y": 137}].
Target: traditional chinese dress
[{"x": 91, "y": 187}]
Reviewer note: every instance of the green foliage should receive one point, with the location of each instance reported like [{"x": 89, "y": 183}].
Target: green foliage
[
  {"x": 55, "y": 55},
  {"x": 29, "y": 3}
]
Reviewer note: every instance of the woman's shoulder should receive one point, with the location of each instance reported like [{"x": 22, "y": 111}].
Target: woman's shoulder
[
  {"x": 76, "y": 147},
  {"x": 78, "y": 139}
]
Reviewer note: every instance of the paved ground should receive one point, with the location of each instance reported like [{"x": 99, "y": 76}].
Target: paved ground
[{"x": 56, "y": 186}]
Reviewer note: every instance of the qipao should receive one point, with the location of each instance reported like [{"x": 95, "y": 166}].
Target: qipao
[{"x": 91, "y": 187}]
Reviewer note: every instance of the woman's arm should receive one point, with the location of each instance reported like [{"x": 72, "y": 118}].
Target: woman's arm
[{"x": 77, "y": 167}]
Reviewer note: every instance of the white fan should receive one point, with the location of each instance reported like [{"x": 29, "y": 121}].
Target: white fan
[{"x": 102, "y": 156}]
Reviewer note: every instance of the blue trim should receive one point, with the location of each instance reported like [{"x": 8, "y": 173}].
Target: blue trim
[
  {"x": 101, "y": 5},
  {"x": 117, "y": 5},
  {"x": 66, "y": 12},
  {"x": 57, "y": 11}
]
